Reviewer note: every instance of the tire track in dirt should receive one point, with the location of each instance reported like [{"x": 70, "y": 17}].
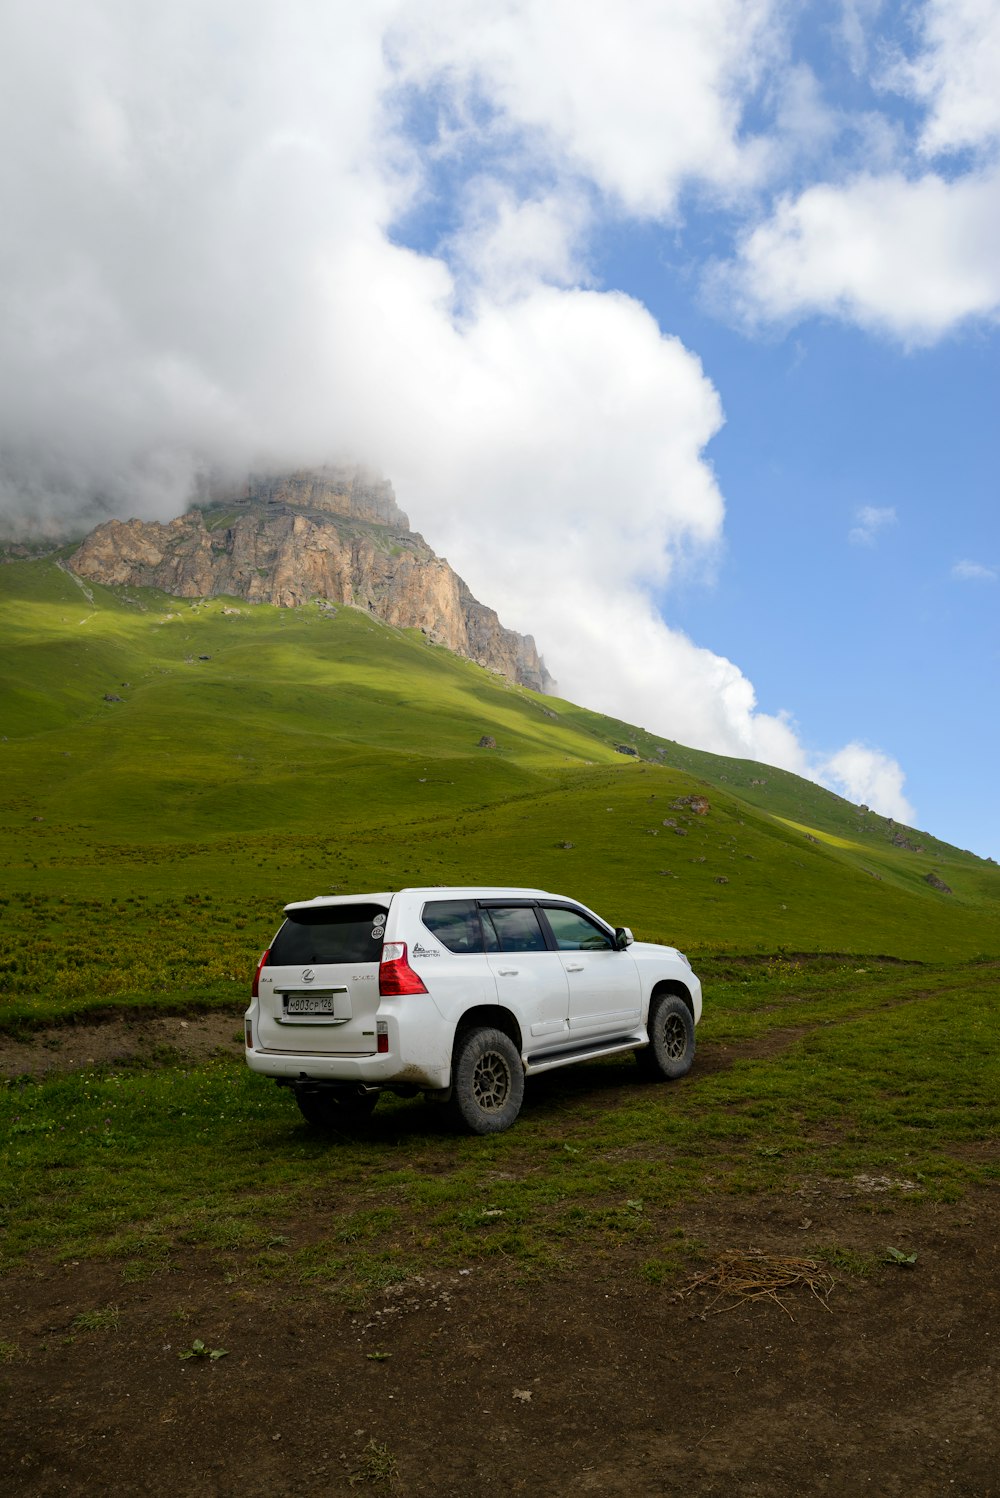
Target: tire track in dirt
[
  {"x": 717, "y": 1055},
  {"x": 143, "y": 1039}
]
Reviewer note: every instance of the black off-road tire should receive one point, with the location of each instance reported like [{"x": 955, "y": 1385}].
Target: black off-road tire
[
  {"x": 671, "y": 1039},
  {"x": 326, "y": 1108},
  {"x": 487, "y": 1082}
]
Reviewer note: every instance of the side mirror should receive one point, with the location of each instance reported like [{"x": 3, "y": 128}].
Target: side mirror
[{"x": 624, "y": 937}]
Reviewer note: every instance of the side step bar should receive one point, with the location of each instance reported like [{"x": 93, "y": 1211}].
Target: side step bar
[{"x": 549, "y": 1060}]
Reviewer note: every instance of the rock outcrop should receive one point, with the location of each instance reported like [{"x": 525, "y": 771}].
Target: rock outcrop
[
  {"x": 335, "y": 535},
  {"x": 700, "y": 805},
  {"x": 353, "y": 492}
]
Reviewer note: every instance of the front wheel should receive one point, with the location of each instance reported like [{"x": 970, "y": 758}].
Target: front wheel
[
  {"x": 487, "y": 1081},
  {"x": 327, "y": 1108},
  {"x": 671, "y": 1039}
]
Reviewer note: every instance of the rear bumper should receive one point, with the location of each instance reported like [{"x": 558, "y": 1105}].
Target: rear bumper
[
  {"x": 410, "y": 1060},
  {"x": 372, "y": 1071}
]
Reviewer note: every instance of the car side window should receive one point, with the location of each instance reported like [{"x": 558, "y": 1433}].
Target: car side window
[
  {"x": 517, "y": 928},
  {"x": 455, "y": 923},
  {"x": 576, "y": 932}
]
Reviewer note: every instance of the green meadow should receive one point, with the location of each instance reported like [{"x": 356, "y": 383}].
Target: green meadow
[
  {"x": 141, "y": 1164},
  {"x": 256, "y": 755}
]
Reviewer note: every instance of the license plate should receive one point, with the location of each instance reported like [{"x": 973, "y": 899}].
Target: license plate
[{"x": 310, "y": 1003}]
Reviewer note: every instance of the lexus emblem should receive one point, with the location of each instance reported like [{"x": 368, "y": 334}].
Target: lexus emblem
[{"x": 307, "y": 975}]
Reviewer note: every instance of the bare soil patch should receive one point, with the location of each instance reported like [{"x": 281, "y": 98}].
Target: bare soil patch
[
  {"x": 476, "y": 1380},
  {"x": 120, "y": 1040}
]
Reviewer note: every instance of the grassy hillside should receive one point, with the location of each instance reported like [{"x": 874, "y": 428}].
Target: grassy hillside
[{"x": 258, "y": 755}]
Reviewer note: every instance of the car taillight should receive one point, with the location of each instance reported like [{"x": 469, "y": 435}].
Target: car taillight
[
  {"x": 256, "y": 977},
  {"x": 395, "y": 975}
]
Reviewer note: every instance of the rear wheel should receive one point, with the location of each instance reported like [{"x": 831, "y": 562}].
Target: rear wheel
[
  {"x": 671, "y": 1039},
  {"x": 487, "y": 1081},
  {"x": 326, "y": 1108}
]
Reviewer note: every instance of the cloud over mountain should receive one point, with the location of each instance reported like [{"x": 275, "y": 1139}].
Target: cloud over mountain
[{"x": 272, "y": 236}]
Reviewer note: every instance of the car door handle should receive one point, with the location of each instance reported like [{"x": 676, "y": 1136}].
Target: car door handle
[
  {"x": 507, "y": 972},
  {"x": 574, "y": 967}
]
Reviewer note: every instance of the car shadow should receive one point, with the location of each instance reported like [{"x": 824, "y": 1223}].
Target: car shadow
[{"x": 551, "y": 1095}]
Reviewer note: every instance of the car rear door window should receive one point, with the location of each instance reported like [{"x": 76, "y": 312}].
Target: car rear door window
[
  {"x": 517, "y": 928},
  {"x": 329, "y": 934}
]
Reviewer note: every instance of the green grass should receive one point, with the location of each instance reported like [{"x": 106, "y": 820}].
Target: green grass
[
  {"x": 148, "y": 846},
  {"x": 377, "y": 1465},
  {"x": 140, "y": 1166},
  {"x": 108, "y": 1319}
]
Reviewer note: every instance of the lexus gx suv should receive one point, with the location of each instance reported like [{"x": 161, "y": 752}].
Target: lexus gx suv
[{"x": 458, "y": 993}]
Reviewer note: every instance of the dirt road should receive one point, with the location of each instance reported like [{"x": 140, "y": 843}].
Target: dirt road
[{"x": 477, "y": 1381}]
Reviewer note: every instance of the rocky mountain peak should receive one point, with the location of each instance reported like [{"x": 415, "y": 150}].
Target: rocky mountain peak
[
  {"x": 354, "y": 492},
  {"x": 332, "y": 534}
]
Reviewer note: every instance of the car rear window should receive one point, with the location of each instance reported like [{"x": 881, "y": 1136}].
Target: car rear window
[
  {"x": 455, "y": 923},
  {"x": 329, "y": 933}
]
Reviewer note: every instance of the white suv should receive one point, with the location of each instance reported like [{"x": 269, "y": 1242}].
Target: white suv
[{"x": 458, "y": 993}]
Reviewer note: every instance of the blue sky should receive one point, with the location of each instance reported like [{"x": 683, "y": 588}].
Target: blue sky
[
  {"x": 673, "y": 322},
  {"x": 880, "y": 642}
]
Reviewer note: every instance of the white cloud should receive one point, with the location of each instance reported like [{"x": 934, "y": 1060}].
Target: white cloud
[
  {"x": 871, "y": 521},
  {"x": 871, "y": 778},
  {"x": 955, "y": 74},
  {"x": 974, "y": 572},
  {"x": 508, "y": 244},
  {"x": 803, "y": 117},
  {"x": 650, "y": 674},
  {"x": 908, "y": 258},
  {"x": 899, "y": 249},
  {"x": 854, "y": 31},
  {"x": 637, "y": 97},
  {"x": 197, "y": 200}
]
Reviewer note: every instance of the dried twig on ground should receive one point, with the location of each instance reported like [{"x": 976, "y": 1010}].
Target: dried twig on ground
[{"x": 740, "y": 1275}]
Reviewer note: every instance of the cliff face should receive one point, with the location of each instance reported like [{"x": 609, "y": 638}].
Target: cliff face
[
  {"x": 352, "y": 492},
  {"x": 330, "y": 534}
]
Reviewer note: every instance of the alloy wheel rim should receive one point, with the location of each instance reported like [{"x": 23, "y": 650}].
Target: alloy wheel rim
[
  {"x": 674, "y": 1038},
  {"x": 491, "y": 1081}
]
